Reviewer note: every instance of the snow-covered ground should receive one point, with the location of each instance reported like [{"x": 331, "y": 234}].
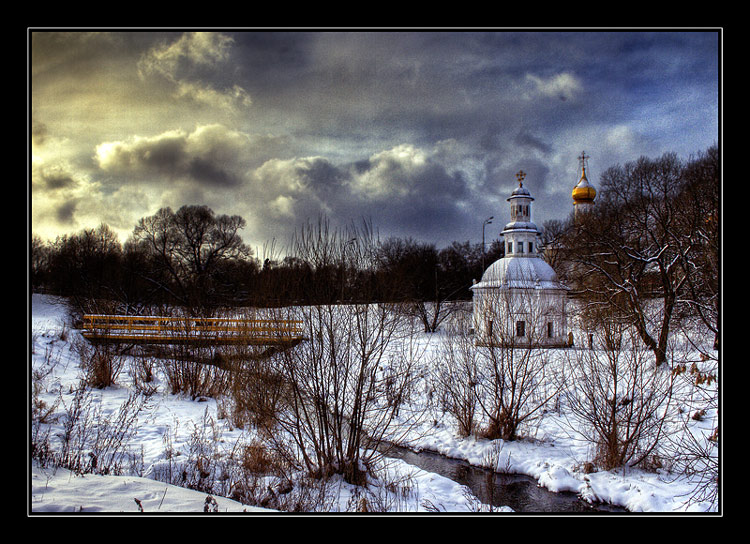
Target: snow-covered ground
[{"x": 167, "y": 423}]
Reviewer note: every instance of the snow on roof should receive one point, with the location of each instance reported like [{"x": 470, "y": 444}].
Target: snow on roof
[{"x": 520, "y": 272}]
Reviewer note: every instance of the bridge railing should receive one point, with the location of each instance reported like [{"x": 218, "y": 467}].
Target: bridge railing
[{"x": 209, "y": 330}]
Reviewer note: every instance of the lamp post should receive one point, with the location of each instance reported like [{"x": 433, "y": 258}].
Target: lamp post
[
  {"x": 486, "y": 222},
  {"x": 344, "y": 265}
]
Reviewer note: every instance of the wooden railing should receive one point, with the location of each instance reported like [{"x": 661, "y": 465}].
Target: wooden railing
[{"x": 190, "y": 330}]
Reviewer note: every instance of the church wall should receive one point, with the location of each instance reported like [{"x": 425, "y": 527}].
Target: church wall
[
  {"x": 498, "y": 313},
  {"x": 528, "y": 239}
]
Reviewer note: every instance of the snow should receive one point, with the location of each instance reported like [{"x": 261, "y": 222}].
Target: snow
[
  {"x": 62, "y": 491},
  {"x": 551, "y": 455},
  {"x": 529, "y": 272}
]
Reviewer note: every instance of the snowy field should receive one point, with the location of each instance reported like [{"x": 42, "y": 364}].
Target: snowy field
[{"x": 167, "y": 423}]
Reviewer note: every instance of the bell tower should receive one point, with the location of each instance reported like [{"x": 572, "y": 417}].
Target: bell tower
[{"x": 520, "y": 234}]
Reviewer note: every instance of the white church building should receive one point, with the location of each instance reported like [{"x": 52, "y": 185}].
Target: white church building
[{"x": 519, "y": 300}]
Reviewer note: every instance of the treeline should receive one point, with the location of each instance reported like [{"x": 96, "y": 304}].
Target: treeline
[
  {"x": 654, "y": 233},
  {"x": 195, "y": 258},
  {"x": 647, "y": 254}
]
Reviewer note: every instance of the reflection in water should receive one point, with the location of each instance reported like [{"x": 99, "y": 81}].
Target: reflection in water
[{"x": 518, "y": 491}]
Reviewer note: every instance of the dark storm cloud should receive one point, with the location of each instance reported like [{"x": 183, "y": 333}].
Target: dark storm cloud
[
  {"x": 525, "y": 139},
  {"x": 54, "y": 180},
  {"x": 404, "y": 191},
  {"x": 38, "y": 133},
  {"x": 64, "y": 212},
  {"x": 323, "y": 177},
  {"x": 210, "y": 155},
  {"x": 422, "y": 132},
  {"x": 164, "y": 154}
]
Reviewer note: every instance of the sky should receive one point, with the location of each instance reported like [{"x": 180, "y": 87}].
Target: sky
[{"x": 419, "y": 133}]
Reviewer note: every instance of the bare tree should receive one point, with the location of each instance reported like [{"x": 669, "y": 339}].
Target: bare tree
[
  {"x": 698, "y": 215},
  {"x": 695, "y": 450},
  {"x": 617, "y": 397},
  {"x": 516, "y": 389},
  {"x": 427, "y": 281},
  {"x": 643, "y": 244},
  {"x": 552, "y": 237},
  {"x": 348, "y": 380},
  {"x": 500, "y": 374},
  {"x": 189, "y": 245},
  {"x": 456, "y": 377}
]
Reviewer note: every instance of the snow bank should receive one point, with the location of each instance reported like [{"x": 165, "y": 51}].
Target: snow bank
[
  {"x": 552, "y": 457},
  {"x": 62, "y": 491}
]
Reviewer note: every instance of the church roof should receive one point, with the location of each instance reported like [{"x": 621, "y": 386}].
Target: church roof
[
  {"x": 521, "y": 225},
  {"x": 583, "y": 191},
  {"x": 520, "y": 192},
  {"x": 519, "y": 272}
]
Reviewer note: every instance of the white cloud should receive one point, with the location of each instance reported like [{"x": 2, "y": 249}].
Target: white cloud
[
  {"x": 392, "y": 172},
  {"x": 198, "y": 48},
  {"x": 283, "y": 205},
  {"x": 564, "y": 86},
  {"x": 278, "y": 176},
  {"x": 206, "y": 95},
  {"x": 176, "y": 63},
  {"x": 621, "y": 136}
]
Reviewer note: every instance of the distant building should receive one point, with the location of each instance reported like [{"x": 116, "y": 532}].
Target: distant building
[{"x": 519, "y": 300}]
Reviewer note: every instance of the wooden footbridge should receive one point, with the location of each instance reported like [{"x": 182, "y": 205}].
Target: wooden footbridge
[{"x": 195, "y": 331}]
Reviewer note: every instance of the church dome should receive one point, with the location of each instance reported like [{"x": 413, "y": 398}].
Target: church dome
[
  {"x": 583, "y": 194},
  {"x": 520, "y": 192},
  {"x": 520, "y": 272},
  {"x": 583, "y": 191}
]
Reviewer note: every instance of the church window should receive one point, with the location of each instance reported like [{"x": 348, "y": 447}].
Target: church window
[
  {"x": 520, "y": 247},
  {"x": 510, "y": 247},
  {"x": 531, "y": 247},
  {"x": 550, "y": 330},
  {"x": 520, "y": 328}
]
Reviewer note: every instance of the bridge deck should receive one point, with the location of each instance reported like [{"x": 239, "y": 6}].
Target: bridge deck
[{"x": 190, "y": 330}]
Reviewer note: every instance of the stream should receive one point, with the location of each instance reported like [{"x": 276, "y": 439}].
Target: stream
[{"x": 518, "y": 491}]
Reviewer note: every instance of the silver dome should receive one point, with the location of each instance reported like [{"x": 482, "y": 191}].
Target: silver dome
[{"x": 519, "y": 272}]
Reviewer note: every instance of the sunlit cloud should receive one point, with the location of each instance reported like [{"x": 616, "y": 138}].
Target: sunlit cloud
[
  {"x": 183, "y": 61},
  {"x": 421, "y": 132}
]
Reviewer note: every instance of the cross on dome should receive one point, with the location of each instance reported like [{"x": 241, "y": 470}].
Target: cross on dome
[
  {"x": 520, "y": 176},
  {"x": 583, "y": 158},
  {"x": 583, "y": 193}
]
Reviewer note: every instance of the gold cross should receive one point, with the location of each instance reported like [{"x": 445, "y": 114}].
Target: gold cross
[{"x": 520, "y": 177}]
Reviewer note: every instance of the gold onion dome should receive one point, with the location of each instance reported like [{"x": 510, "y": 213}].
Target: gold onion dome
[{"x": 583, "y": 191}]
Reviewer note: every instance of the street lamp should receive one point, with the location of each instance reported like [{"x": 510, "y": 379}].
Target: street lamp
[
  {"x": 344, "y": 265},
  {"x": 486, "y": 222}
]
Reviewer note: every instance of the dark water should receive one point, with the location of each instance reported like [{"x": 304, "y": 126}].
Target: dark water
[{"x": 518, "y": 491}]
